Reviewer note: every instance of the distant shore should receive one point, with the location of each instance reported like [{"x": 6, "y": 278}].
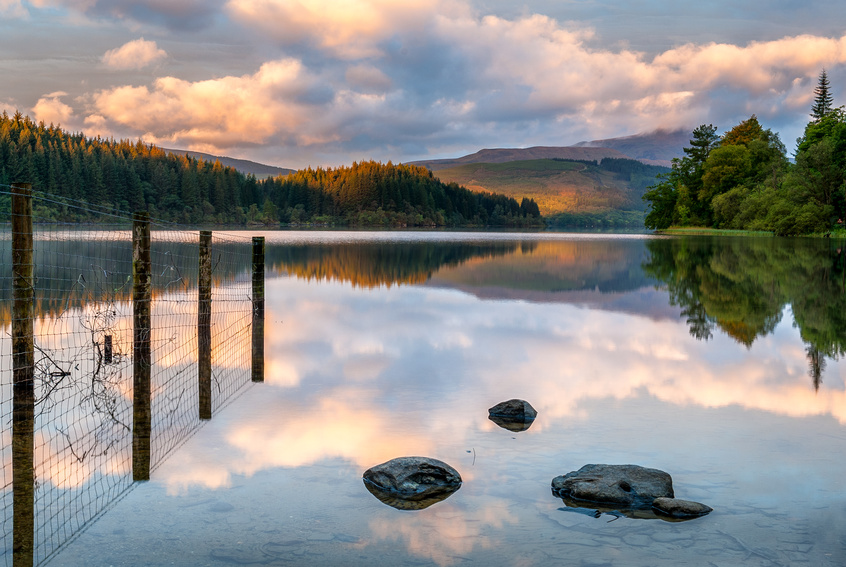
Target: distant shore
[{"x": 704, "y": 231}]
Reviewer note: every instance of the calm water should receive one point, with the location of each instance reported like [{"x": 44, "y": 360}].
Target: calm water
[{"x": 716, "y": 360}]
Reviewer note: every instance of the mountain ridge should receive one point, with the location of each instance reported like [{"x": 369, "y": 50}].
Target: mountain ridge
[
  {"x": 245, "y": 166},
  {"x": 503, "y": 155},
  {"x": 658, "y": 147}
]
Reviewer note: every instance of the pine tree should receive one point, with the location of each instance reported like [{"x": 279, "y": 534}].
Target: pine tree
[{"x": 823, "y": 99}]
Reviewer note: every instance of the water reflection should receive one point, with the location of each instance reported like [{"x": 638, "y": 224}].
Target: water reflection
[
  {"x": 418, "y": 502},
  {"x": 742, "y": 287},
  {"x": 373, "y": 353},
  {"x": 374, "y": 264},
  {"x": 79, "y": 456}
]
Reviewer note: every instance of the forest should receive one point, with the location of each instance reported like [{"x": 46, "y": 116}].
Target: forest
[
  {"x": 744, "y": 180},
  {"x": 86, "y": 178}
]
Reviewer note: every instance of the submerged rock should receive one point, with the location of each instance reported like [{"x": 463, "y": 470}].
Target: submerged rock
[
  {"x": 623, "y": 486},
  {"x": 680, "y": 509},
  {"x": 412, "y": 483},
  {"x": 513, "y": 415}
]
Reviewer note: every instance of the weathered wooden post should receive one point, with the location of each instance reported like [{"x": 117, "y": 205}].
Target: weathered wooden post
[
  {"x": 258, "y": 309},
  {"x": 204, "y": 341},
  {"x": 23, "y": 372},
  {"x": 142, "y": 294}
]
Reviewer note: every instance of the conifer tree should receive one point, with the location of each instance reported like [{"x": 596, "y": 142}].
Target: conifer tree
[{"x": 823, "y": 99}]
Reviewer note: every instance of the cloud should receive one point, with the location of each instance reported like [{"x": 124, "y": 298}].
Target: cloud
[
  {"x": 220, "y": 112},
  {"x": 182, "y": 15},
  {"x": 347, "y": 29},
  {"x": 373, "y": 79},
  {"x": 136, "y": 54},
  {"x": 13, "y": 9},
  {"x": 368, "y": 79},
  {"x": 51, "y": 109},
  {"x": 8, "y": 107},
  {"x": 533, "y": 65}
]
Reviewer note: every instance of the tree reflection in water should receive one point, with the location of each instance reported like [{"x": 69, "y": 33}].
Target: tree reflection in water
[{"x": 743, "y": 285}]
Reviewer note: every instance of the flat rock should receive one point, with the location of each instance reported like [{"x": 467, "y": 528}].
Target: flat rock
[
  {"x": 412, "y": 483},
  {"x": 680, "y": 509},
  {"x": 624, "y": 486}
]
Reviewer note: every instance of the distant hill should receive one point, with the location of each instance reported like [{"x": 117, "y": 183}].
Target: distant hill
[
  {"x": 502, "y": 155},
  {"x": 657, "y": 148},
  {"x": 246, "y": 167},
  {"x": 564, "y": 188}
]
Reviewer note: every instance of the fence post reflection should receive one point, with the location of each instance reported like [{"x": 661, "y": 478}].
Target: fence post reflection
[
  {"x": 204, "y": 324},
  {"x": 258, "y": 310},
  {"x": 23, "y": 364},
  {"x": 141, "y": 356}
]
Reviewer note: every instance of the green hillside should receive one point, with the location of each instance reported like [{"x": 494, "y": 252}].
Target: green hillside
[{"x": 567, "y": 192}]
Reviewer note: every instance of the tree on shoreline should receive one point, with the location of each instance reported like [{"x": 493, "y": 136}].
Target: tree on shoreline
[{"x": 746, "y": 182}]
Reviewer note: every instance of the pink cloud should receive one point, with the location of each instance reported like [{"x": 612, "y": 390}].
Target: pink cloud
[{"x": 136, "y": 54}]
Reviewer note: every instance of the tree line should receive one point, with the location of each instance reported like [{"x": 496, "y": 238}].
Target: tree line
[
  {"x": 123, "y": 176},
  {"x": 744, "y": 180},
  {"x": 375, "y": 194}
]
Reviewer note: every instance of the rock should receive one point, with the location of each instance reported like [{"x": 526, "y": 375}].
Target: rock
[
  {"x": 412, "y": 483},
  {"x": 680, "y": 509},
  {"x": 513, "y": 415},
  {"x": 624, "y": 486}
]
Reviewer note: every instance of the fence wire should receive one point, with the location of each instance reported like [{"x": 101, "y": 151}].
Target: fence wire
[{"x": 83, "y": 341}]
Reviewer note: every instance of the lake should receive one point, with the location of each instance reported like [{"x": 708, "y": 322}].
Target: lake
[{"x": 717, "y": 360}]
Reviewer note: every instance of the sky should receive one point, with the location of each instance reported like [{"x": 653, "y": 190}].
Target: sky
[{"x": 298, "y": 83}]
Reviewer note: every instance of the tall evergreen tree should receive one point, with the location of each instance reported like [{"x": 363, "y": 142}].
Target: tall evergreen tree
[{"x": 823, "y": 99}]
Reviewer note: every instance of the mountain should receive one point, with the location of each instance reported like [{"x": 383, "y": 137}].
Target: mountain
[
  {"x": 246, "y": 167},
  {"x": 657, "y": 148},
  {"x": 502, "y": 155},
  {"x": 578, "y": 192}
]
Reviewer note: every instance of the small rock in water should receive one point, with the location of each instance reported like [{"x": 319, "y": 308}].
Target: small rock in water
[
  {"x": 513, "y": 415},
  {"x": 412, "y": 483},
  {"x": 680, "y": 509}
]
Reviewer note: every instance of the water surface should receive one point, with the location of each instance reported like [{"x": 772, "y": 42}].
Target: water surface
[{"x": 716, "y": 360}]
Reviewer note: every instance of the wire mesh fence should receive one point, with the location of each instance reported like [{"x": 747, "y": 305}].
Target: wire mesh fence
[{"x": 83, "y": 345}]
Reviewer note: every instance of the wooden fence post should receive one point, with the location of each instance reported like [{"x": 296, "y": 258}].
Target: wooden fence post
[
  {"x": 141, "y": 302},
  {"x": 23, "y": 372},
  {"x": 258, "y": 309},
  {"x": 204, "y": 289}
]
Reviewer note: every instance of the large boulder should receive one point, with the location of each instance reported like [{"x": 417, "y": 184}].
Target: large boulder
[
  {"x": 622, "y": 486},
  {"x": 412, "y": 483},
  {"x": 513, "y": 415}
]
